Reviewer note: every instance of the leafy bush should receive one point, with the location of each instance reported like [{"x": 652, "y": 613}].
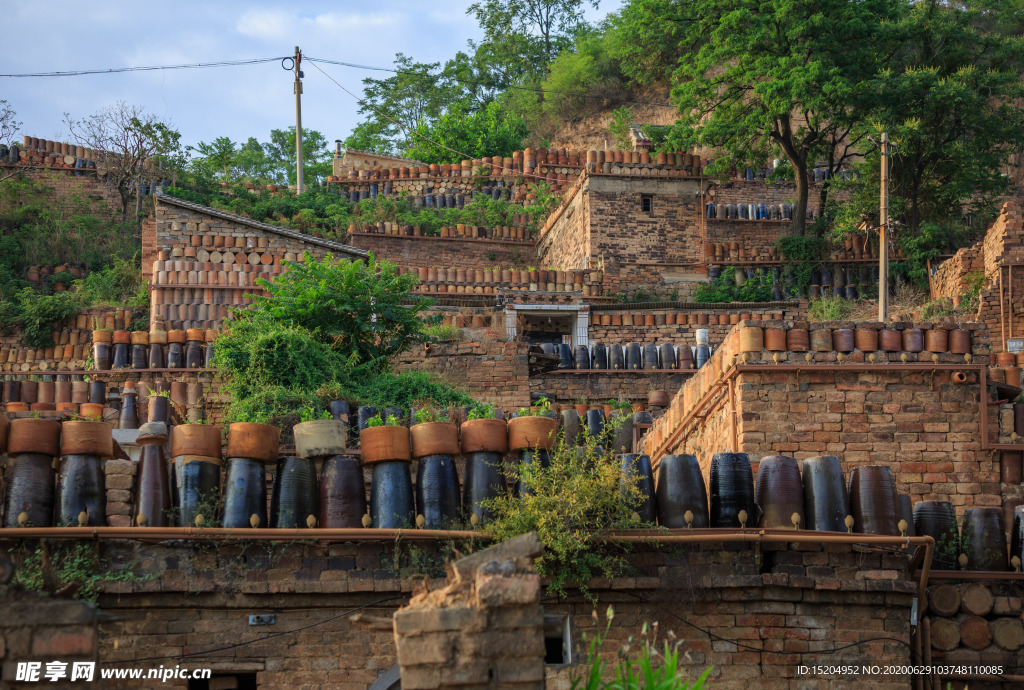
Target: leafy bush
[
  {"x": 37, "y": 314},
  {"x": 71, "y": 562},
  {"x": 569, "y": 503},
  {"x": 120, "y": 284},
  {"x": 723, "y": 289},
  {"x": 803, "y": 254}
]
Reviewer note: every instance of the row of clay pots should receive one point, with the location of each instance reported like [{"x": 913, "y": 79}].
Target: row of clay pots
[
  {"x": 680, "y": 318},
  {"x": 396, "y": 443},
  {"x": 504, "y": 275},
  {"x": 935, "y": 340},
  {"x": 471, "y": 232}
]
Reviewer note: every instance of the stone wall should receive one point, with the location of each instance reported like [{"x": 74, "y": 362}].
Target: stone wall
[
  {"x": 564, "y": 243},
  {"x": 103, "y": 197},
  {"x": 37, "y": 628}
]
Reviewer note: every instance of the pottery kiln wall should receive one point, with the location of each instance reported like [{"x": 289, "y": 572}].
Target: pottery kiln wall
[
  {"x": 794, "y": 602},
  {"x": 447, "y": 252}
]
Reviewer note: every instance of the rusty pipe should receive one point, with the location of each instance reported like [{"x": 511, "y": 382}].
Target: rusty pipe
[{"x": 220, "y": 533}]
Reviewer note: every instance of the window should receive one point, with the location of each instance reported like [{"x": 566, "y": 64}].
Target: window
[
  {"x": 646, "y": 202},
  {"x": 557, "y": 640}
]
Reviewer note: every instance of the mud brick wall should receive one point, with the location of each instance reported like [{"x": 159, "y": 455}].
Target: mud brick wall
[
  {"x": 791, "y": 605},
  {"x": 951, "y": 278},
  {"x": 38, "y": 628},
  {"x": 104, "y": 198},
  {"x": 490, "y": 370},
  {"x": 448, "y": 252}
]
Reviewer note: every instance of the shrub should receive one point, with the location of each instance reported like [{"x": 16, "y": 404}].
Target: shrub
[
  {"x": 829, "y": 308},
  {"x": 724, "y": 288}
]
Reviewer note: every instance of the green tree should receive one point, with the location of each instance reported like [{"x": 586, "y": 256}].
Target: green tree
[
  {"x": 280, "y": 155},
  {"x": 487, "y": 132},
  {"x": 219, "y": 155},
  {"x": 780, "y": 75},
  {"x": 646, "y": 38},
  {"x": 949, "y": 100},
  {"x": 529, "y": 32}
]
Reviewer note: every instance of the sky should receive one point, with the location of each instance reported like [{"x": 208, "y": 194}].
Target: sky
[{"x": 202, "y": 104}]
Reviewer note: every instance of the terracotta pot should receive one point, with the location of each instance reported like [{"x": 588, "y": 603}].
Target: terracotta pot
[
  {"x": 821, "y": 340},
  {"x": 996, "y": 375},
  {"x": 102, "y": 335},
  {"x": 751, "y": 339},
  {"x": 936, "y": 340},
  {"x": 960, "y": 341},
  {"x": 842, "y": 340},
  {"x": 890, "y": 340},
  {"x": 254, "y": 441},
  {"x": 658, "y": 398},
  {"x": 31, "y": 435},
  {"x": 320, "y": 438},
  {"x": 1012, "y": 376},
  {"x": 1005, "y": 359},
  {"x": 866, "y": 339},
  {"x": 434, "y": 438},
  {"x": 526, "y": 433},
  {"x": 384, "y": 443},
  {"x": 87, "y": 438},
  {"x": 873, "y": 500},
  {"x": 1010, "y": 466},
  {"x": 196, "y": 439},
  {"x": 775, "y": 339},
  {"x": 484, "y": 436},
  {"x": 797, "y": 340},
  {"x": 779, "y": 492},
  {"x": 913, "y": 340}
]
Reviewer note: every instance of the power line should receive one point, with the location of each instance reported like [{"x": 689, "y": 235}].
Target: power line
[
  {"x": 147, "y": 68},
  {"x": 492, "y": 85}
]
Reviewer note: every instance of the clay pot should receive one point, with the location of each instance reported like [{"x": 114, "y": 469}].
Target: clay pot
[
  {"x": 636, "y": 480},
  {"x": 890, "y": 340},
  {"x": 1010, "y": 462},
  {"x": 1005, "y": 359},
  {"x": 342, "y": 493},
  {"x": 680, "y": 491},
  {"x": 195, "y": 485},
  {"x": 960, "y": 341},
  {"x": 982, "y": 539},
  {"x": 196, "y": 439},
  {"x": 391, "y": 494},
  {"x": 842, "y": 340},
  {"x": 484, "y": 436},
  {"x": 866, "y": 339},
  {"x": 4, "y": 423},
  {"x": 152, "y": 495},
  {"x": 937, "y": 519},
  {"x": 913, "y": 340},
  {"x": 826, "y": 502},
  {"x": 797, "y": 340},
  {"x": 437, "y": 489},
  {"x": 30, "y": 490},
  {"x": 821, "y": 340},
  {"x": 775, "y": 339},
  {"x": 779, "y": 493},
  {"x": 245, "y": 485},
  {"x": 936, "y": 340},
  {"x": 81, "y": 491},
  {"x": 732, "y": 491},
  {"x": 30, "y": 435},
  {"x": 658, "y": 398},
  {"x": 384, "y": 443},
  {"x": 484, "y": 480},
  {"x": 751, "y": 339},
  {"x": 531, "y": 433},
  {"x": 294, "y": 497},
  {"x": 87, "y": 438},
  {"x": 434, "y": 438},
  {"x": 254, "y": 441},
  {"x": 320, "y": 438},
  {"x": 873, "y": 500}
]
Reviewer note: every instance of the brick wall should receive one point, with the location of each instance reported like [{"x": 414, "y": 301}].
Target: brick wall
[
  {"x": 790, "y": 603},
  {"x": 491, "y": 370},
  {"x": 565, "y": 240},
  {"x": 39, "y": 628},
  {"x": 1003, "y": 244},
  {"x": 754, "y": 192},
  {"x": 448, "y": 252},
  {"x": 103, "y": 198},
  {"x": 756, "y": 237},
  {"x": 951, "y": 279}
]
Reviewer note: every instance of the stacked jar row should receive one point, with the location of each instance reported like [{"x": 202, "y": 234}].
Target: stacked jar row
[
  {"x": 124, "y": 407},
  {"x": 845, "y": 340},
  {"x": 199, "y": 235},
  {"x": 58, "y": 147},
  {"x": 222, "y": 275},
  {"x": 720, "y": 251},
  {"x": 192, "y": 259},
  {"x": 202, "y": 315},
  {"x": 508, "y": 233},
  {"x": 1007, "y": 369},
  {"x": 758, "y": 211},
  {"x": 632, "y": 356},
  {"x": 460, "y": 321},
  {"x": 679, "y": 318},
  {"x": 157, "y": 349}
]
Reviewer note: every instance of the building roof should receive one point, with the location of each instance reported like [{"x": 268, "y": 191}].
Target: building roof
[{"x": 335, "y": 247}]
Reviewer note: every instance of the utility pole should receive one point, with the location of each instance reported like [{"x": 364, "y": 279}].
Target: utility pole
[
  {"x": 883, "y": 239},
  {"x": 299, "y": 187}
]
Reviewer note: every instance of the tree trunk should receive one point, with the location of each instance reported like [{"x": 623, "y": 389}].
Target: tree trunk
[
  {"x": 126, "y": 198},
  {"x": 802, "y": 191}
]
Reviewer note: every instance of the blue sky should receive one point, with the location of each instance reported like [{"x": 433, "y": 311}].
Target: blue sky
[{"x": 202, "y": 104}]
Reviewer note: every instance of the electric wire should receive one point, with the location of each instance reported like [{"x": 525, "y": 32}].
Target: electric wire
[
  {"x": 492, "y": 85},
  {"x": 146, "y": 68},
  {"x": 258, "y": 639}
]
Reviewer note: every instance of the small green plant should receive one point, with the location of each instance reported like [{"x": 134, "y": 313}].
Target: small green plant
[
  {"x": 539, "y": 408},
  {"x": 829, "y": 308},
  {"x": 51, "y": 568},
  {"x": 724, "y": 289},
  {"x": 310, "y": 414},
  {"x": 657, "y": 668},
  {"x": 376, "y": 420},
  {"x": 425, "y": 415},
  {"x": 937, "y": 309},
  {"x": 481, "y": 411},
  {"x": 621, "y": 126}
]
